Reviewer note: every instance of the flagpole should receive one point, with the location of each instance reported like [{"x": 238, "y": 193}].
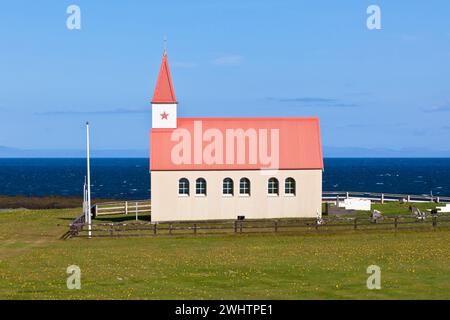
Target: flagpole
[
  {"x": 84, "y": 201},
  {"x": 88, "y": 180}
]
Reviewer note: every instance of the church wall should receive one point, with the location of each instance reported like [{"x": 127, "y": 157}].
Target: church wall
[{"x": 168, "y": 205}]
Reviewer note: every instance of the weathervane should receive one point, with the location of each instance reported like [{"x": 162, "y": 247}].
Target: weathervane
[{"x": 165, "y": 43}]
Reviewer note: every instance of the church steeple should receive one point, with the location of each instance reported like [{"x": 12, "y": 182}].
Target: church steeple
[
  {"x": 164, "y": 92},
  {"x": 164, "y": 102}
]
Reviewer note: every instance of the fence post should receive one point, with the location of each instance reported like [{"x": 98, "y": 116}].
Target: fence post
[
  {"x": 409, "y": 198},
  {"x": 126, "y": 207},
  {"x": 111, "y": 229},
  {"x": 154, "y": 229},
  {"x": 395, "y": 223},
  {"x": 136, "y": 211},
  {"x": 240, "y": 227},
  {"x": 346, "y": 195},
  {"x": 276, "y": 226},
  {"x": 434, "y": 221},
  {"x": 195, "y": 228},
  {"x": 382, "y": 198},
  {"x": 170, "y": 229},
  {"x": 355, "y": 224},
  {"x": 337, "y": 200},
  {"x": 437, "y": 200},
  {"x": 235, "y": 227}
]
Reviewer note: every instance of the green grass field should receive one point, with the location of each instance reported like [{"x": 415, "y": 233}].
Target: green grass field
[{"x": 33, "y": 262}]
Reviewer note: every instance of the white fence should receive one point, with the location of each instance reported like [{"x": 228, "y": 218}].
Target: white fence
[
  {"x": 336, "y": 196},
  {"x": 123, "y": 207}
]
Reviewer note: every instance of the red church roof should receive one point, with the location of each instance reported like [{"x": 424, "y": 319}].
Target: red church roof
[
  {"x": 164, "y": 92},
  {"x": 296, "y": 139}
]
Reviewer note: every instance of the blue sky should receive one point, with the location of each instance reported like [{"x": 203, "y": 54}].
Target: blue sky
[{"x": 387, "y": 88}]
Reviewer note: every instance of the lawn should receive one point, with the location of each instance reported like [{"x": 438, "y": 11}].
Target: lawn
[
  {"x": 393, "y": 208},
  {"x": 33, "y": 262}
]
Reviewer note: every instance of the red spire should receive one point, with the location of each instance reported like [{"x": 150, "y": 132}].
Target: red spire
[{"x": 164, "y": 92}]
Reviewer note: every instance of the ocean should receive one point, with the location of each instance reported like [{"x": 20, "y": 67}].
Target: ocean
[{"x": 129, "y": 178}]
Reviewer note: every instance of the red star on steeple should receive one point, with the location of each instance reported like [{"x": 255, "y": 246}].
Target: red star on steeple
[{"x": 164, "y": 115}]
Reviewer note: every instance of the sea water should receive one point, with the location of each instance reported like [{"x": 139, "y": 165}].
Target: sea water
[{"x": 130, "y": 179}]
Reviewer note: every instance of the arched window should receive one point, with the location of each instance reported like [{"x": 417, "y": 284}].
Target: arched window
[
  {"x": 183, "y": 186},
  {"x": 227, "y": 186},
  {"x": 244, "y": 186},
  {"x": 289, "y": 186},
  {"x": 272, "y": 187},
  {"x": 200, "y": 186}
]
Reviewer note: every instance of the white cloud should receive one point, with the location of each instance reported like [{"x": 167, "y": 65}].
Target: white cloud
[
  {"x": 438, "y": 108},
  {"x": 228, "y": 60},
  {"x": 314, "y": 102},
  {"x": 83, "y": 112}
]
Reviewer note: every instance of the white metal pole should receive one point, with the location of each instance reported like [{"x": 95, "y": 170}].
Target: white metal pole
[
  {"x": 84, "y": 200},
  {"x": 88, "y": 180}
]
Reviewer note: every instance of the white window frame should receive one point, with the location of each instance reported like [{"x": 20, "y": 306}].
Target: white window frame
[
  {"x": 184, "y": 187},
  {"x": 229, "y": 188},
  {"x": 271, "y": 187},
  {"x": 244, "y": 194},
  {"x": 200, "y": 194},
  {"x": 292, "y": 187}
]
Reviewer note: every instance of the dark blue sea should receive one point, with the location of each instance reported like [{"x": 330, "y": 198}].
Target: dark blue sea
[{"x": 130, "y": 179}]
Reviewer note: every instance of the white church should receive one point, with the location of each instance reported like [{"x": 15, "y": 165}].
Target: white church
[{"x": 225, "y": 168}]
